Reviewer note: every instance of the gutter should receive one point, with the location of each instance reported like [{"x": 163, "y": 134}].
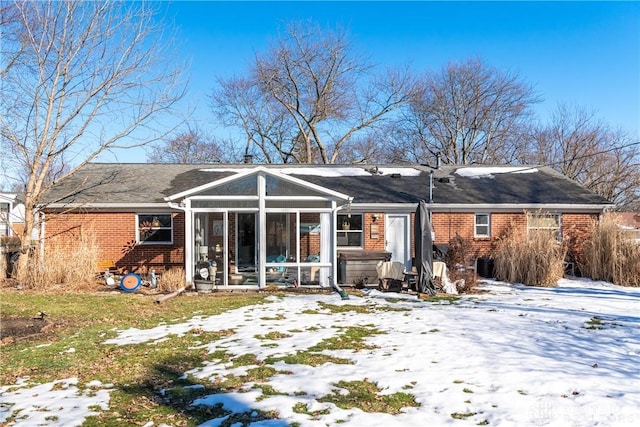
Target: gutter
[
  {"x": 466, "y": 207},
  {"x": 112, "y": 206},
  {"x": 389, "y": 207}
]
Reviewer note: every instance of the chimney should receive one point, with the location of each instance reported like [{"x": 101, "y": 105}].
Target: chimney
[
  {"x": 438, "y": 160},
  {"x": 248, "y": 159}
]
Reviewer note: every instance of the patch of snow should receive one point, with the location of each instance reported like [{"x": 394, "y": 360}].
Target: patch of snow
[
  {"x": 488, "y": 172},
  {"x": 348, "y": 171},
  {"x": 233, "y": 170},
  {"x": 325, "y": 172},
  {"x": 331, "y": 171},
  {"x": 400, "y": 171},
  {"x": 513, "y": 355},
  {"x": 57, "y": 403}
]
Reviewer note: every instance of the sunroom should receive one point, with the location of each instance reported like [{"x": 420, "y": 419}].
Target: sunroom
[{"x": 260, "y": 227}]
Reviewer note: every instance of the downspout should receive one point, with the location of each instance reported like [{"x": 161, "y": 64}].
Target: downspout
[
  {"x": 41, "y": 235},
  {"x": 334, "y": 239}
]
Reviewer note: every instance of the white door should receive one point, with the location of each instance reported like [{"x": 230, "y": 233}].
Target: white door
[{"x": 397, "y": 238}]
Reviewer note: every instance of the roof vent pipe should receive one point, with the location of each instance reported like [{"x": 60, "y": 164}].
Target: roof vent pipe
[
  {"x": 248, "y": 159},
  {"x": 430, "y": 186},
  {"x": 438, "y": 160}
]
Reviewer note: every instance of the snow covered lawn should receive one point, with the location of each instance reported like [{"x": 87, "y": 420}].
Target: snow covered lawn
[{"x": 512, "y": 356}]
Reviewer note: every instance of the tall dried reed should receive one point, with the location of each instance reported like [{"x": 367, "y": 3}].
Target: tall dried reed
[
  {"x": 69, "y": 266},
  {"x": 609, "y": 255},
  {"x": 534, "y": 260},
  {"x": 172, "y": 280}
]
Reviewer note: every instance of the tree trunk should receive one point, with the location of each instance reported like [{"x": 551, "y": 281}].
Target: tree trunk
[{"x": 26, "y": 251}]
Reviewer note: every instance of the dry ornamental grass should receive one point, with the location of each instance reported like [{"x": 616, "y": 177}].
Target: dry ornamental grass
[
  {"x": 535, "y": 260},
  {"x": 69, "y": 266},
  {"x": 172, "y": 280},
  {"x": 611, "y": 256}
]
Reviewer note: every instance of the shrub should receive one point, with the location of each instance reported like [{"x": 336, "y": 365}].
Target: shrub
[
  {"x": 609, "y": 255},
  {"x": 457, "y": 258},
  {"x": 458, "y": 252},
  {"x": 172, "y": 280},
  {"x": 534, "y": 260}
]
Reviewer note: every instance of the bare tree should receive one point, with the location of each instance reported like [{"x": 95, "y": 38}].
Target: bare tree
[
  {"x": 311, "y": 94},
  {"x": 467, "y": 113},
  {"x": 192, "y": 145},
  {"x": 581, "y": 147},
  {"x": 78, "y": 79},
  {"x": 267, "y": 128}
]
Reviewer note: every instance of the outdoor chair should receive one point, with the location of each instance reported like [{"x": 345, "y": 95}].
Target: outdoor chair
[{"x": 391, "y": 276}]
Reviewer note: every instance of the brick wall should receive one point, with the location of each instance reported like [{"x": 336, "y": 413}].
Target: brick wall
[
  {"x": 373, "y": 241},
  {"x": 309, "y": 243},
  {"x": 447, "y": 225},
  {"x": 115, "y": 233},
  {"x": 575, "y": 229}
]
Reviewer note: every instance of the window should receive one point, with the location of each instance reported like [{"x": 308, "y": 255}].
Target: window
[
  {"x": 4, "y": 219},
  {"x": 545, "y": 222},
  {"x": 482, "y": 224},
  {"x": 279, "y": 235},
  {"x": 155, "y": 228},
  {"x": 350, "y": 230},
  {"x": 633, "y": 234}
]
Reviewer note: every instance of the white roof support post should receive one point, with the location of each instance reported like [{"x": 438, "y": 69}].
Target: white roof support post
[
  {"x": 188, "y": 242},
  {"x": 261, "y": 229},
  {"x": 334, "y": 243},
  {"x": 225, "y": 248}
]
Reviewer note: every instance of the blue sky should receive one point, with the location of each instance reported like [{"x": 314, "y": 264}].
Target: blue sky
[{"x": 582, "y": 53}]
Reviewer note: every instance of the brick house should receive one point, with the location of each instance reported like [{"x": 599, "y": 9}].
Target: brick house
[
  {"x": 249, "y": 225},
  {"x": 11, "y": 215},
  {"x": 628, "y": 222}
]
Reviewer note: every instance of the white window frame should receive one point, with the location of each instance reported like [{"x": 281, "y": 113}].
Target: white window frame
[
  {"x": 350, "y": 231},
  {"x": 557, "y": 228},
  {"x": 476, "y": 224},
  {"x": 633, "y": 234},
  {"x": 5, "y": 219},
  {"x": 140, "y": 241}
]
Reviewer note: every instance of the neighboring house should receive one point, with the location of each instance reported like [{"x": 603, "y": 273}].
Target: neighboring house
[
  {"x": 629, "y": 223},
  {"x": 11, "y": 215},
  {"x": 254, "y": 225}
]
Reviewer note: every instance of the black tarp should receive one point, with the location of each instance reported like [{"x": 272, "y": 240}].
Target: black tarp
[{"x": 424, "y": 250}]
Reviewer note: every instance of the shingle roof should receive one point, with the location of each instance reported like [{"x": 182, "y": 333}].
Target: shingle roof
[{"x": 151, "y": 183}]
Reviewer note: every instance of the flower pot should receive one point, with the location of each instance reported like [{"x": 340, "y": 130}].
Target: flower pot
[{"x": 204, "y": 286}]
